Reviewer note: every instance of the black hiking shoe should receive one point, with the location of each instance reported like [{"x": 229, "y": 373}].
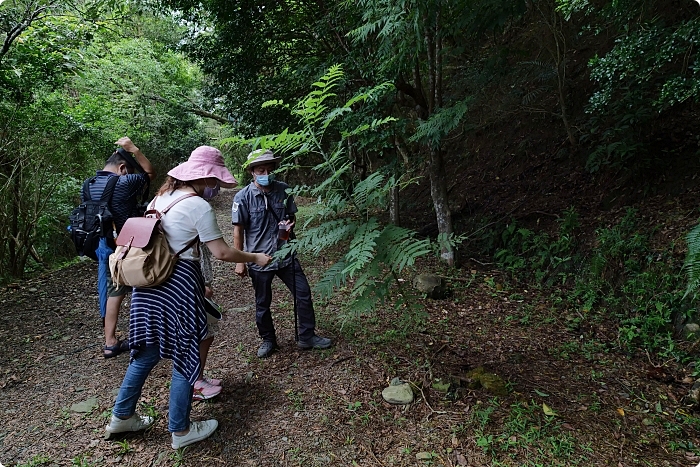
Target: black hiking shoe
[
  {"x": 266, "y": 348},
  {"x": 315, "y": 342}
]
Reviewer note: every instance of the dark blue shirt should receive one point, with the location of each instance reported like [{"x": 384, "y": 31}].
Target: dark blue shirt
[
  {"x": 253, "y": 211},
  {"x": 125, "y": 196}
]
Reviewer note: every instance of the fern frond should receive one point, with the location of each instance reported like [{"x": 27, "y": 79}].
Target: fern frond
[
  {"x": 692, "y": 262},
  {"x": 364, "y": 303},
  {"x": 441, "y": 123},
  {"x": 373, "y": 93},
  {"x": 327, "y": 234},
  {"x": 341, "y": 202},
  {"x": 332, "y": 279},
  {"x": 336, "y": 204},
  {"x": 362, "y": 247},
  {"x": 368, "y": 191},
  {"x": 333, "y": 114},
  {"x": 274, "y": 103},
  {"x": 532, "y": 96},
  {"x": 399, "y": 249}
]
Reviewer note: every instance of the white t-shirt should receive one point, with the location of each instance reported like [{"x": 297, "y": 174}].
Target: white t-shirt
[{"x": 188, "y": 218}]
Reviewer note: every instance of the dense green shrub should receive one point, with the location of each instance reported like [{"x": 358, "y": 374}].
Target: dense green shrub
[{"x": 622, "y": 277}]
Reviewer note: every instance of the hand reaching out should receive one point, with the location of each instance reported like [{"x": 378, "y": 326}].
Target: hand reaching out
[
  {"x": 127, "y": 144},
  {"x": 261, "y": 259}
]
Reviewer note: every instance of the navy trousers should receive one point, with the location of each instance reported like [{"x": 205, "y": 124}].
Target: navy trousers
[{"x": 295, "y": 280}]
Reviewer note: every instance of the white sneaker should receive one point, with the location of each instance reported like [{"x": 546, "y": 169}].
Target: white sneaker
[
  {"x": 198, "y": 432},
  {"x": 133, "y": 423}
]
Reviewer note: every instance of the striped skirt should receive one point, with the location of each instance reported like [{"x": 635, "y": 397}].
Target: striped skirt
[{"x": 172, "y": 316}]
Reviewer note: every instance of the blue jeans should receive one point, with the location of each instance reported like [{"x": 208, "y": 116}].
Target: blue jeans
[
  {"x": 104, "y": 278},
  {"x": 295, "y": 280},
  {"x": 130, "y": 391}
]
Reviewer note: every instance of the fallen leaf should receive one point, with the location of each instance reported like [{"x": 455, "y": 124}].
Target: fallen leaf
[
  {"x": 548, "y": 411},
  {"x": 621, "y": 411}
]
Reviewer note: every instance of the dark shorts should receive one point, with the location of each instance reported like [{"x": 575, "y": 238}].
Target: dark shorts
[{"x": 114, "y": 291}]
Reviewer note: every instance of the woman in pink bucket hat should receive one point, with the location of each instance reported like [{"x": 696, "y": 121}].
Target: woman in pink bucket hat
[
  {"x": 169, "y": 321},
  {"x": 205, "y": 162}
]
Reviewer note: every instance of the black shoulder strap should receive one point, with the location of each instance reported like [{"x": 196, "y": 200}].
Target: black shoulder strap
[
  {"x": 272, "y": 211},
  {"x": 106, "y": 194},
  {"x": 109, "y": 188},
  {"x": 86, "y": 188}
]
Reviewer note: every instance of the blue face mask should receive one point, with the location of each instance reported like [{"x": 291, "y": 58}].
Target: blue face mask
[
  {"x": 210, "y": 192},
  {"x": 264, "y": 180}
]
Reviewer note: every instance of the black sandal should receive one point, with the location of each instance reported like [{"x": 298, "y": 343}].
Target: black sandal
[{"x": 116, "y": 349}]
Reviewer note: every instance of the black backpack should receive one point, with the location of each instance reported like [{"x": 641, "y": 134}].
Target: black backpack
[{"x": 92, "y": 219}]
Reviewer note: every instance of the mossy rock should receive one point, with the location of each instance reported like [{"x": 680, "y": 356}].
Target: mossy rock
[{"x": 489, "y": 381}]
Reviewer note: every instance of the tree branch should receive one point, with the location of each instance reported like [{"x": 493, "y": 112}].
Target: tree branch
[
  {"x": 194, "y": 110},
  {"x": 19, "y": 28}
]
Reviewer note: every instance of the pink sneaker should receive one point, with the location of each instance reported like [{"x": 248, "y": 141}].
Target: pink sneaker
[
  {"x": 204, "y": 390},
  {"x": 212, "y": 381}
]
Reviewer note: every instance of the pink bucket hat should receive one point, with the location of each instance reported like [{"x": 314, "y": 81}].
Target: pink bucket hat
[{"x": 204, "y": 162}]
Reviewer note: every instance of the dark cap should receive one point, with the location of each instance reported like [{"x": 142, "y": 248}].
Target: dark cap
[{"x": 129, "y": 159}]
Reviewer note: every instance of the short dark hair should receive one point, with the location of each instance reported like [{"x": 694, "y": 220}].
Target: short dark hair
[{"x": 122, "y": 156}]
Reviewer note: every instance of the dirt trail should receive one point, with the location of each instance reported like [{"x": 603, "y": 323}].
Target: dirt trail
[{"x": 325, "y": 408}]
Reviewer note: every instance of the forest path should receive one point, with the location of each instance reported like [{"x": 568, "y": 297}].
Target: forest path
[{"x": 321, "y": 408}]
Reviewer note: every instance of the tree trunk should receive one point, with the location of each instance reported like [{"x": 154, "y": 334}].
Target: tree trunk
[
  {"x": 438, "y": 187},
  {"x": 558, "y": 53},
  {"x": 430, "y": 50},
  {"x": 443, "y": 215},
  {"x": 438, "y": 57},
  {"x": 14, "y": 230},
  {"x": 394, "y": 213}
]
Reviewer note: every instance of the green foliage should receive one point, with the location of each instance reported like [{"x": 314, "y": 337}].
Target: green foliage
[
  {"x": 642, "y": 288},
  {"x": 140, "y": 88},
  {"x": 373, "y": 254},
  {"x": 547, "y": 259},
  {"x": 692, "y": 262},
  {"x": 35, "y": 461},
  {"x": 272, "y": 56},
  {"x": 622, "y": 278},
  {"x": 523, "y": 432},
  {"x": 69, "y": 87},
  {"x": 539, "y": 80},
  {"x": 33, "y": 173},
  {"x": 653, "y": 67},
  {"x": 82, "y": 461},
  {"x": 441, "y": 123}
]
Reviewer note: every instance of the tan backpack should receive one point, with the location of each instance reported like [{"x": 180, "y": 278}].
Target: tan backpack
[{"x": 143, "y": 257}]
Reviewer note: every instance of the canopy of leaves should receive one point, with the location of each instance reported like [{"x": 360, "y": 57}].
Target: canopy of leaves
[
  {"x": 73, "y": 79},
  {"x": 257, "y": 49}
]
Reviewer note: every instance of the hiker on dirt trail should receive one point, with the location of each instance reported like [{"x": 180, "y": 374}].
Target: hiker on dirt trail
[
  {"x": 169, "y": 320},
  {"x": 129, "y": 186},
  {"x": 263, "y": 215}
]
